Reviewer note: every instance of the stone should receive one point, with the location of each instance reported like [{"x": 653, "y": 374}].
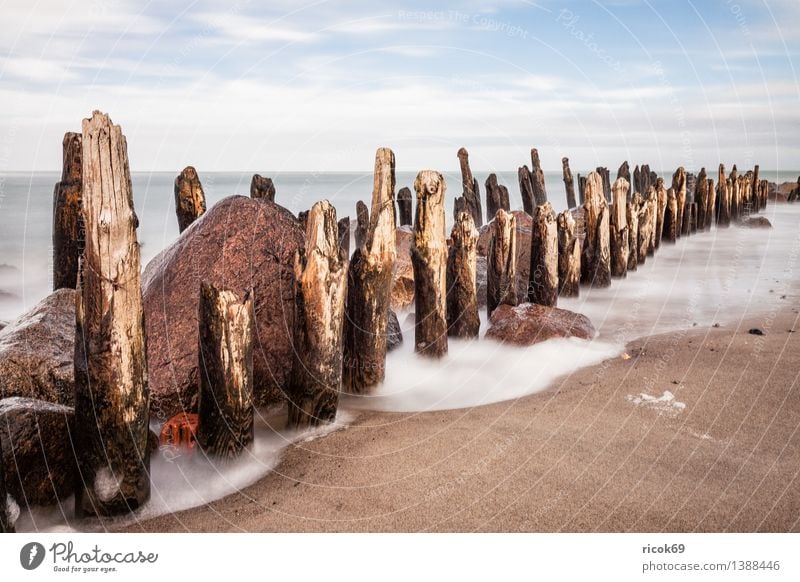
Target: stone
[
  {"x": 757, "y": 222},
  {"x": 528, "y": 324}
]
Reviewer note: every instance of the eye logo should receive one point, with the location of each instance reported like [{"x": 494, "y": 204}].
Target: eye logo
[{"x": 31, "y": 555}]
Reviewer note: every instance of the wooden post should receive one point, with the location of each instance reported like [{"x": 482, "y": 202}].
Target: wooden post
[
  {"x": 537, "y": 179},
  {"x": 404, "y": 205},
  {"x": 637, "y": 181},
  {"x": 701, "y": 198},
  {"x": 569, "y": 184},
  {"x": 679, "y": 187},
  {"x": 569, "y": 255},
  {"x": 596, "y": 254},
  {"x": 693, "y": 218},
  {"x": 733, "y": 193},
  {"x": 632, "y": 216},
  {"x": 581, "y": 189},
  {"x": 67, "y": 223},
  {"x": 711, "y": 202},
  {"x": 462, "y": 299},
  {"x": 362, "y": 224},
  {"x": 723, "y": 199},
  {"x": 661, "y": 211},
  {"x": 262, "y": 188},
  {"x": 501, "y": 262},
  {"x": 112, "y": 398},
  {"x": 496, "y": 197},
  {"x": 606, "y": 180},
  {"x": 471, "y": 190},
  {"x": 671, "y": 225},
  {"x": 302, "y": 218},
  {"x": 429, "y": 260},
  {"x": 225, "y": 367},
  {"x": 369, "y": 284},
  {"x": 624, "y": 171},
  {"x": 190, "y": 201},
  {"x": 344, "y": 236},
  {"x": 543, "y": 276},
  {"x": 647, "y": 226},
  {"x": 618, "y": 235},
  {"x": 526, "y": 189},
  {"x": 320, "y": 292},
  {"x": 755, "y": 189}
]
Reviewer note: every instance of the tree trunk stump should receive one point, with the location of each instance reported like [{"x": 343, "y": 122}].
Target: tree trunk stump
[
  {"x": 190, "y": 201},
  {"x": 462, "y": 297},
  {"x": 68, "y": 232},
  {"x": 344, "y": 236},
  {"x": 526, "y": 189},
  {"x": 661, "y": 211},
  {"x": 537, "y": 179},
  {"x": 112, "y": 398},
  {"x": 671, "y": 225},
  {"x": 679, "y": 187},
  {"x": 496, "y": 197},
  {"x": 624, "y": 171},
  {"x": 701, "y": 198},
  {"x": 321, "y": 290}
]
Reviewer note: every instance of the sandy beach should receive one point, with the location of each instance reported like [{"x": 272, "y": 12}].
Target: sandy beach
[{"x": 588, "y": 454}]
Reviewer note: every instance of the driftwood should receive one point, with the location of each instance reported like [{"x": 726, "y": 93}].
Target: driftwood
[
  {"x": 471, "y": 190},
  {"x": 369, "y": 284},
  {"x": 344, "y": 236},
  {"x": 225, "y": 406},
  {"x": 462, "y": 298},
  {"x": 526, "y": 189},
  {"x": 569, "y": 256},
  {"x": 632, "y": 216},
  {"x": 263, "y": 188},
  {"x": 661, "y": 211},
  {"x": 404, "y": 205},
  {"x": 429, "y": 260},
  {"x": 618, "y": 234},
  {"x": 190, "y": 201},
  {"x": 537, "y": 179},
  {"x": 67, "y": 222},
  {"x": 543, "y": 278},
  {"x": 112, "y": 399},
  {"x": 569, "y": 184},
  {"x": 496, "y": 197},
  {"x": 679, "y": 187},
  {"x": 596, "y": 254},
  {"x": 501, "y": 262},
  {"x": 320, "y": 292}
]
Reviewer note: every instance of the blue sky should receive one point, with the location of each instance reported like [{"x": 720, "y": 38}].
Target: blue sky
[{"x": 289, "y": 85}]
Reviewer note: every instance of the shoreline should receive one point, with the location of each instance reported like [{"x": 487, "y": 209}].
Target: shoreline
[{"x": 582, "y": 455}]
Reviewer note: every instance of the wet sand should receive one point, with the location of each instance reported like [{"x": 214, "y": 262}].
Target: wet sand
[{"x": 581, "y": 456}]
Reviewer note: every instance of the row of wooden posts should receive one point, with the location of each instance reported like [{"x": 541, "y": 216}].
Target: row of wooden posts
[{"x": 342, "y": 302}]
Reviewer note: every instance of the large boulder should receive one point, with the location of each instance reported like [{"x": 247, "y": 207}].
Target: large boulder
[
  {"x": 524, "y": 226},
  {"x": 37, "y": 451},
  {"x": 240, "y": 244},
  {"x": 529, "y": 323},
  {"x": 37, "y": 351},
  {"x": 403, "y": 273}
]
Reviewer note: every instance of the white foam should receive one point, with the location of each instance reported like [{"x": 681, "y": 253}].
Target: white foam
[{"x": 664, "y": 404}]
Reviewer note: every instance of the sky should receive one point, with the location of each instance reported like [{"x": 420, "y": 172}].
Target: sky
[{"x": 290, "y": 85}]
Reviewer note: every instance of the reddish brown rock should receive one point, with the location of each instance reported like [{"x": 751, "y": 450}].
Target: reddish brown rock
[
  {"x": 239, "y": 244},
  {"x": 528, "y": 324}
]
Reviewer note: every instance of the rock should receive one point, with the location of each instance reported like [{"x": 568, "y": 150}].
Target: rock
[
  {"x": 528, "y": 324},
  {"x": 36, "y": 351},
  {"x": 37, "y": 451},
  {"x": 480, "y": 280},
  {"x": 393, "y": 332},
  {"x": 403, "y": 272},
  {"x": 757, "y": 222},
  {"x": 524, "y": 223},
  {"x": 755, "y": 331},
  {"x": 239, "y": 244}
]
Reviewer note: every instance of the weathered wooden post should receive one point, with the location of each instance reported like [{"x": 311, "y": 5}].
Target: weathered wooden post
[
  {"x": 526, "y": 189},
  {"x": 605, "y": 177},
  {"x": 701, "y": 198},
  {"x": 344, "y": 236},
  {"x": 733, "y": 193},
  {"x": 543, "y": 276},
  {"x": 302, "y": 218},
  {"x": 661, "y": 211},
  {"x": 755, "y": 188},
  {"x": 647, "y": 226},
  {"x": 112, "y": 398},
  {"x": 581, "y": 189},
  {"x": 723, "y": 199},
  {"x": 569, "y": 255},
  {"x": 569, "y": 184},
  {"x": 632, "y": 216},
  {"x": 618, "y": 236},
  {"x": 462, "y": 298},
  {"x": 225, "y": 367},
  {"x": 693, "y": 218},
  {"x": 679, "y": 187},
  {"x": 637, "y": 181},
  {"x": 711, "y": 203},
  {"x": 362, "y": 224},
  {"x": 671, "y": 226},
  {"x": 190, "y": 201},
  {"x": 320, "y": 292},
  {"x": 537, "y": 179},
  {"x": 471, "y": 190},
  {"x": 624, "y": 171},
  {"x": 501, "y": 262},
  {"x": 496, "y": 197},
  {"x": 262, "y": 188},
  {"x": 67, "y": 222},
  {"x": 429, "y": 260},
  {"x": 369, "y": 284},
  {"x": 596, "y": 254},
  {"x": 404, "y": 205}
]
